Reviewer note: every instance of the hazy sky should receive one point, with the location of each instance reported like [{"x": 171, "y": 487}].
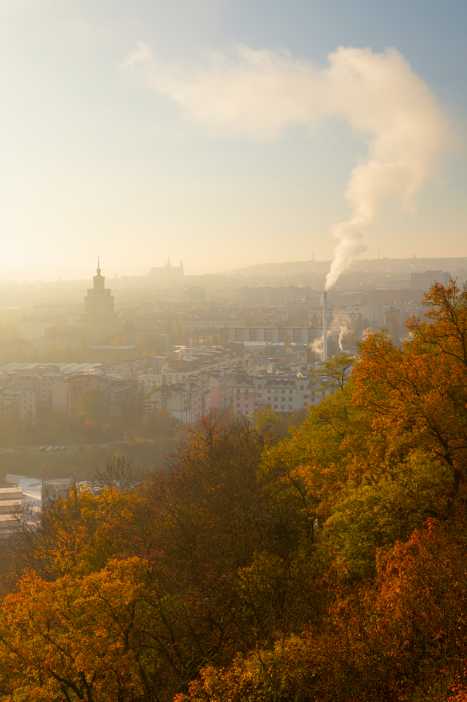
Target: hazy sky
[{"x": 135, "y": 164}]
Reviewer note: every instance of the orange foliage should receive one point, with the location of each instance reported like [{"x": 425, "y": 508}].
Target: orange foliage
[
  {"x": 401, "y": 639},
  {"x": 417, "y": 395},
  {"x": 74, "y": 638},
  {"x": 80, "y": 533},
  {"x": 303, "y": 570}
]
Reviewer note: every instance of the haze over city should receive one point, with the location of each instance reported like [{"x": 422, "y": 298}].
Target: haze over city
[
  {"x": 230, "y": 133},
  {"x": 233, "y": 350}
]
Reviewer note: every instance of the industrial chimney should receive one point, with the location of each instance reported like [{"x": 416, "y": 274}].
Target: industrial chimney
[{"x": 325, "y": 326}]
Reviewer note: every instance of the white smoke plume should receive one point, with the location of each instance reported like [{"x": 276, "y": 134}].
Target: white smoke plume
[
  {"x": 317, "y": 345},
  {"x": 260, "y": 93},
  {"x": 341, "y": 326},
  {"x": 343, "y": 331}
]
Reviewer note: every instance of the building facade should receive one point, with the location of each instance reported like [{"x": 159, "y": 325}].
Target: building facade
[
  {"x": 99, "y": 309},
  {"x": 11, "y": 510}
]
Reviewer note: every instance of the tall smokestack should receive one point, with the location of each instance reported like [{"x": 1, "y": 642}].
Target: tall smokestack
[{"x": 325, "y": 325}]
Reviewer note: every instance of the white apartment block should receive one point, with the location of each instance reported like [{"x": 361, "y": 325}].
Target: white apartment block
[
  {"x": 185, "y": 402},
  {"x": 283, "y": 393},
  {"x": 11, "y": 510}
]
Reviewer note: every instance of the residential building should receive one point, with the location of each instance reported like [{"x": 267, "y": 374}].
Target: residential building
[{"x": 11, "y": 510}]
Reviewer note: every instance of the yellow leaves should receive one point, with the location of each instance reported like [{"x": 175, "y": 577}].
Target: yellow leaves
[
  {"x": 74, "y": 631},
  {"x": 417, "y": 395},
  {"x": 250, "y": 550},
  {"x": 82, "y": 532}
]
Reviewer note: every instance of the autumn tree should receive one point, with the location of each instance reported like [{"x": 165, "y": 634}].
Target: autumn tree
[
  {"x": 399, "y": 639},
  {"x": 333, "y": 373},
  {"x": 324, "y": 562},
  {"x": 118, "y": 472},
  {"x": 375, "y": 514},
  {"x": 415, "y": 621},
  {"x": 417, "y": 395},
  {"x": 82, "y": 532},
  {"x": 272, "y": 426},
  {"x": 77, "y": 638}
]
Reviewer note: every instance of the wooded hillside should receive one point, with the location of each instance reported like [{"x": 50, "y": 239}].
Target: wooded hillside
[{"x": 327, "y": 565}]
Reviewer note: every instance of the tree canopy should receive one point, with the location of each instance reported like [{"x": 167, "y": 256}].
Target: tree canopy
[{"x": 323, "y": 561}]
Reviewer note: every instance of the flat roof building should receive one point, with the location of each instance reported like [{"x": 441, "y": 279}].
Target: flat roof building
[{"x": 11, "y": 510}]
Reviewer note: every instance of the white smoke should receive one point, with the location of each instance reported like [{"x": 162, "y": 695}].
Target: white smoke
[
  {"x": 343, "y": 331},
  {"x": 340, "y": 327},
  {"x": 317, "y": 345},
  {"x": 261, "y": 93}
]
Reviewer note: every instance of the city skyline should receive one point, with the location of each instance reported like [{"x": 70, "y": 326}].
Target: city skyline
[{"x": 98, "y": 159}]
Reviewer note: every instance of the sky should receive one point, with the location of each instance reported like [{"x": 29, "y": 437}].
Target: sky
[{"x": 213, "y": 131}]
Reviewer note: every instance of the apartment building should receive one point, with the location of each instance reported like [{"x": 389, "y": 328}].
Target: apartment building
[
  {"x": 18, "y": 401},
  {"x": 185, "y": 402},
  {"x": 288, "y": 392},
  {"x": 11, "y": 510}
]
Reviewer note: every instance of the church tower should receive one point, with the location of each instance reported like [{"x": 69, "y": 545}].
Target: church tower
[{"x": 99, "y": 309}]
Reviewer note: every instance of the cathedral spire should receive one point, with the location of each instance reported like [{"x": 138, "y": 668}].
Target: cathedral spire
[{"x": 98, "y": 265}]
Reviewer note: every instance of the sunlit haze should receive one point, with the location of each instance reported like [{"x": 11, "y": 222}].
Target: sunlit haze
[
  {"x": 227, "y": 133},
  {"x": 233, "y": 346}
]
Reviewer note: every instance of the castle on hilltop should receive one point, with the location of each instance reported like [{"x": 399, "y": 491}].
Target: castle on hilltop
[{"x": 167, "y": 276}]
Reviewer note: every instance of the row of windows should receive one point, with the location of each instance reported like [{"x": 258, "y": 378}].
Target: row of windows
[{"x": 275, "y": 405}]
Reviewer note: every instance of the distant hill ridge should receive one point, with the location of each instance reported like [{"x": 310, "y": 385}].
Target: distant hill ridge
[{"x": 393, "y": 265}]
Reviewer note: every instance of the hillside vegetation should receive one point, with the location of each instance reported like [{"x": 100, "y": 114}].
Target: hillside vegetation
[{"x": 324, "y": 566}]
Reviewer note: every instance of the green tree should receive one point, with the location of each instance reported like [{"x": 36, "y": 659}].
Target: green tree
[
  {"x": 374, "y": 515},
  {"x": 334, "y": 373}
]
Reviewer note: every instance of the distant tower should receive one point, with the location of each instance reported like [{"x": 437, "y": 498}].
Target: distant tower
[
  {"x": 167, "y": 276},
  {"x": 99, "y": 303}
]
